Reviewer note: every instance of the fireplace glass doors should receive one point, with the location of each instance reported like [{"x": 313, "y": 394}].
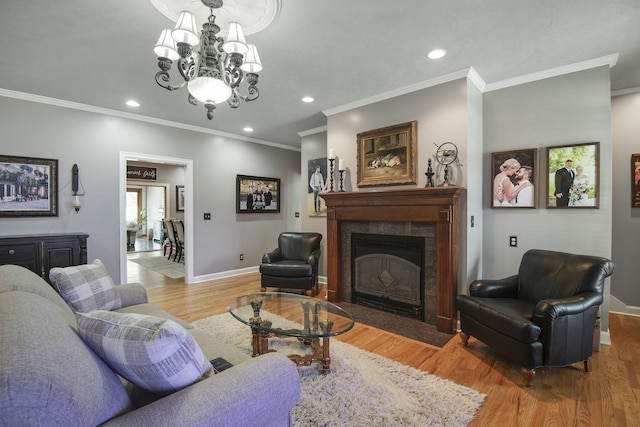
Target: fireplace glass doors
[{"x": 387, "y": 273}]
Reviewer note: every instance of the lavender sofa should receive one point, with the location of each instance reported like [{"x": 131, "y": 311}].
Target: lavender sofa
[{"x": 49, "y": 377}]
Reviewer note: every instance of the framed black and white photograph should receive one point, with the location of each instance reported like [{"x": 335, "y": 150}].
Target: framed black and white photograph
[
  {"x": 180, "y": 198},
  {"x": 257, "y": 194},
  {"x": 513, "y": 174},
  {"x": 318, "y": 182},
  {"x": 28, "y": 186},
  {"x": 573, "y": 178}
]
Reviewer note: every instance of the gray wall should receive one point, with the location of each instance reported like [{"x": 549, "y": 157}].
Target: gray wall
[
  {"x": 95, "y": 141},
  {"x": 626, "y": 220},
  {"x": 570, "y": 109},
  {"x": 314, "y": 146},
  {"x": 443, "y": 116}
]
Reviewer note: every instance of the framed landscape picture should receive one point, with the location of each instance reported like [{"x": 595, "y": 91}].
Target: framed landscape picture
[
  {"x": 573, "y": 179},
  {"x": 635, "y": 180},
  {"x": 387, "y": 156},
  {"x": 513, "y": 174},
  {"x": 28, "y": 186},
  {"x": 256, "y": 194}
]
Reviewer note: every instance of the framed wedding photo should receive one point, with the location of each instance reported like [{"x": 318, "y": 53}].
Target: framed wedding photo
[
  {"x": 257, "y": 194},
  {"x": 387, "y": 156},
  {"x": 573, "y": 176},
  {"x": 635, "y": 180},
  {"x": 28, "y": 186},
  {"x": 513, "y": 174}
]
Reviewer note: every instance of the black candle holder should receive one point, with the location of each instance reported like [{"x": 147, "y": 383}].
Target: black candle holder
[
  {"x": 429, "y": 174},
  {"x": 331, "y": 175},
  {"x": 341, "y": 180}
]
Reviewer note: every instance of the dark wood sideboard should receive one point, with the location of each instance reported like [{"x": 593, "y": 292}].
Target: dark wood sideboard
[{"x": 40, "y": 253}]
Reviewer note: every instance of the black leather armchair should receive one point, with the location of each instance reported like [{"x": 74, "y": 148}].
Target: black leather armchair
[
  {"x": 543, "y": 316},
  {"x": 293, "y": 264}
]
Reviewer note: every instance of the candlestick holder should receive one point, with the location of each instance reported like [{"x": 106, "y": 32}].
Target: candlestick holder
[
  {"x": 429, "y": 173},
  {"x": 341, "y": 181},
  {"x": 331, "y": 175}
]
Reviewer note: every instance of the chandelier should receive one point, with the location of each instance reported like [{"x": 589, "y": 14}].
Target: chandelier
[{"x": 213, "y": 75}]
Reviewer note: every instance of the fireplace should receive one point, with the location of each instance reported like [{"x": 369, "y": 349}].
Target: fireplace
[
  {"x": 387, "y": 273},
  {"x": 433, "y": 213}
]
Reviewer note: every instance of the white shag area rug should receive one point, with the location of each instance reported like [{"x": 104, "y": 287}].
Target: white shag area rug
[
  {"x": 363, "y": 389},
  {"x": 162, "y": 265}
]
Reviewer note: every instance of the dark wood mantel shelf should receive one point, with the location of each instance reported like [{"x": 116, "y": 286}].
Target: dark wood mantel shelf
[{"x": 439, "y": 205}]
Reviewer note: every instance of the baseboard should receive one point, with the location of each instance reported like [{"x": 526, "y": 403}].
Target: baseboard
[
  {"x": 226, "y": 274},
  {"x": 618, "y": 307}
]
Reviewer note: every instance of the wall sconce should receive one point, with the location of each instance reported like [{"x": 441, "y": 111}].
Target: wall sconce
[{"x": 75, "y": 186}]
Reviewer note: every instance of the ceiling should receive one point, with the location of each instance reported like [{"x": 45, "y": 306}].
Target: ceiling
[{"x": 99, "y": 53}]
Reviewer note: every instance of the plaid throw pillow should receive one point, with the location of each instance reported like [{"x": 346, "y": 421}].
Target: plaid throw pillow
[
  {"x": 155, "y": 354},
  {"x": 86, "y": 287}
]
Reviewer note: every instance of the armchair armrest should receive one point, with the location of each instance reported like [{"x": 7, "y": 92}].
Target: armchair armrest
[
  {"x": 257, "y": 392},
  {"x": 132, "y": 294},
  {"x": 551, "y": 309},
  {"x": 273, "y": 256},
  {"x": 313, "y": 257},
  {"x": 500, "y": 288}
]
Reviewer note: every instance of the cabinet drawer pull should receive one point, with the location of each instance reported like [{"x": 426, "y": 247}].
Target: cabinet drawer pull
[{"x": 11, "y": 252}]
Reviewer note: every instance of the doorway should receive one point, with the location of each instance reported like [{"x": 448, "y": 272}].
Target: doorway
[
  {"x": 145, "y": 208},
  {"x": 186, "y": 166}
]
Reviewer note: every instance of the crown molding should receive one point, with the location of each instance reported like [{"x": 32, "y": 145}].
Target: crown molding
[
  {"x": 476, "y": 79},
  {"x": 397, "y": 92},
  {"x": 109, "y": 112},
  {"x": 626, "y": 91},
  {"x": 312, "y": 131},
  {"x": 609, "y": 60}
]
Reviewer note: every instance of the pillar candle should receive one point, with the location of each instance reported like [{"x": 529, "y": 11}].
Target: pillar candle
[
  {"x": 341, "y": 164},
  {"x": 332, "y": 155}
]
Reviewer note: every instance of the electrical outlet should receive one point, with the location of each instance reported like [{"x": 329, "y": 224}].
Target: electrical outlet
[
  {"x": 207, "y": 216},
  {"x": 513, "y": 241},
  {"x": 241, "y": 257},
  {"x": 297, "y": 214},
  {"x": 473, "y": 221}
]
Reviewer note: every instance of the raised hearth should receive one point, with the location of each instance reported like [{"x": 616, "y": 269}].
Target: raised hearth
[{"x": 410, "y": 210}]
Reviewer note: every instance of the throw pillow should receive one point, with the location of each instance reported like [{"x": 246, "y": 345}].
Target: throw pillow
[
  {"x": 86, "y": 287},
  {"x": 155, "y": 354}
]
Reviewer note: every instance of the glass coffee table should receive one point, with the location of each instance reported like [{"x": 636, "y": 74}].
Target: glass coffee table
[{"x": 313, "y": 322}]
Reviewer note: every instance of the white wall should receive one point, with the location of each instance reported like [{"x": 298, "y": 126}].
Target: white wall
[
  {"x": 564, "y": 110},
  {"x": 95, "y": 141}
]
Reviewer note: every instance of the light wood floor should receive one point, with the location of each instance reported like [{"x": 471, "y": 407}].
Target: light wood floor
[{"x": 607, "y": 396}]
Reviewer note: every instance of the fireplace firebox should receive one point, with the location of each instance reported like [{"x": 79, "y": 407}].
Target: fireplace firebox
[{"x": 387, "y": 273}]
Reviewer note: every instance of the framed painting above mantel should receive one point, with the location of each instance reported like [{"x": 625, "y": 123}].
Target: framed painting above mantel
[{"x": 387, "y": 156}]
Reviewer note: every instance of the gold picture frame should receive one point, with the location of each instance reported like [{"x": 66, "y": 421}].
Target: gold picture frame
[{"x": 387, "y": 156}]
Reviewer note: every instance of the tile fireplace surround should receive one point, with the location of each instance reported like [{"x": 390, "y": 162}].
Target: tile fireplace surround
[{"x": 442, "y": 206}]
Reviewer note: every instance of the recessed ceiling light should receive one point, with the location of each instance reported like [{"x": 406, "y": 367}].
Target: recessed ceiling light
[
  {"x": 307, "y": 99},
  {"x": 436, "y": 53},
  {"x": 132, "y": 103},
  {"x": 248, "y": 129}
]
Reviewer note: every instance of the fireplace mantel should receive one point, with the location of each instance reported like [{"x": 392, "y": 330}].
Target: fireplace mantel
[{"x": 439, "y": 205}]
